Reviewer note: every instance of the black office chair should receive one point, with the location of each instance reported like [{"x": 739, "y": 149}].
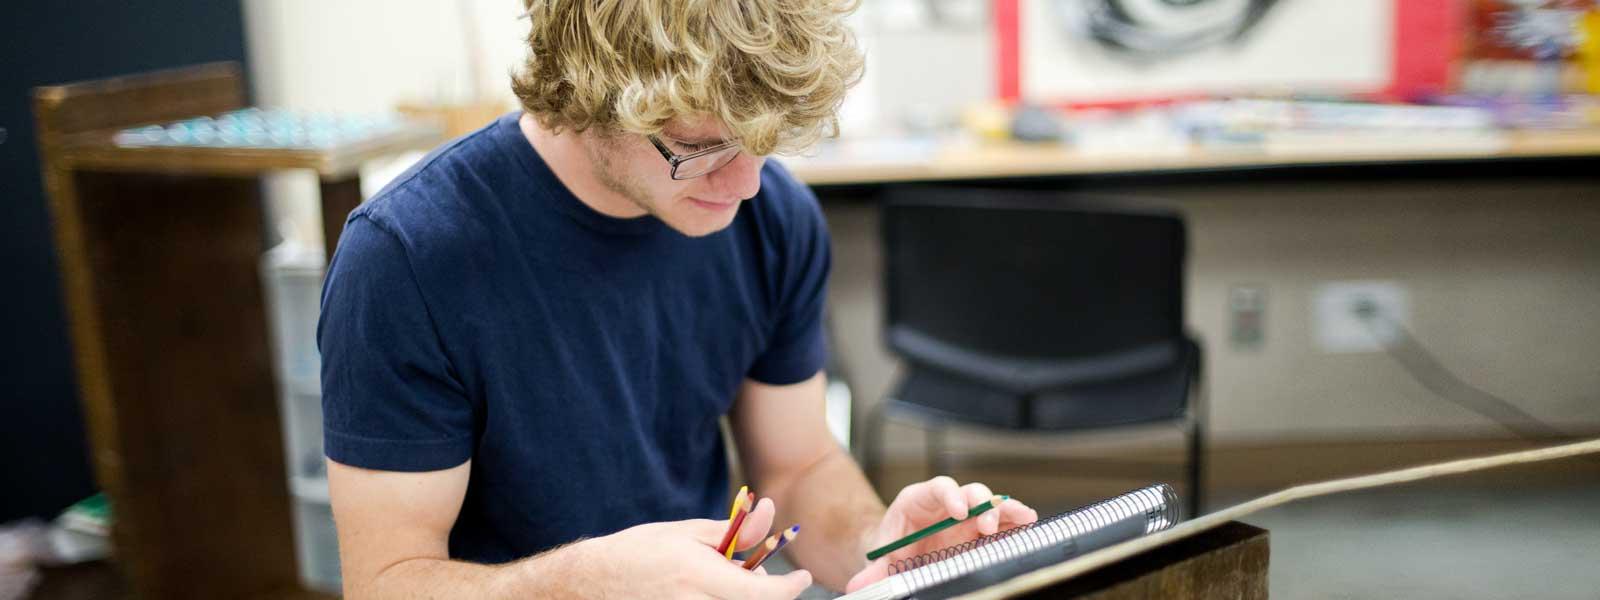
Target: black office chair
[{"x": 1036, "y": 311}]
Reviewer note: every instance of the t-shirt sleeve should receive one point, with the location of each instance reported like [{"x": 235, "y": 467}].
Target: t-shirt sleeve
[
  {"x": 797, "y": 348},
  {"x": 390, "y": 398}
]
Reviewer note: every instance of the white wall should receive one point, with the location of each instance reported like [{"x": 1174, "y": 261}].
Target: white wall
[
  {"x": 1503, "y": 278},
  {"x": 365, "y": 57}
]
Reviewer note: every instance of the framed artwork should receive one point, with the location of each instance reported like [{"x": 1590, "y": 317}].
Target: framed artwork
[{"x": 1119, "y": 52}]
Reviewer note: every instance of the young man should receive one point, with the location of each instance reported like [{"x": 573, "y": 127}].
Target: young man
[{"x": 528, "y": 339}]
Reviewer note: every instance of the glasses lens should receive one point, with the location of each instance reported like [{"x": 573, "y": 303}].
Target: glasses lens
[{"x": 700, "y": 165}]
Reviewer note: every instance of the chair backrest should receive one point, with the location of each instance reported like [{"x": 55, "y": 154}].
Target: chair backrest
[{"x": 1032, "y": 289}]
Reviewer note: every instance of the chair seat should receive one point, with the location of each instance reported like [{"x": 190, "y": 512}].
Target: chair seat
[{"x": 1151, "y": 396}]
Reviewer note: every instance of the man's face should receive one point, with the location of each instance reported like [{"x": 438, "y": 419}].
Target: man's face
[{"x": 631, "y": 166}]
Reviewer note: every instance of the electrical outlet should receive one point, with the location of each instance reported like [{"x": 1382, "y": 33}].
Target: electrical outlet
[
  {"x": 1247, "y": 307},
  {"x": 1359, "y": 316}
]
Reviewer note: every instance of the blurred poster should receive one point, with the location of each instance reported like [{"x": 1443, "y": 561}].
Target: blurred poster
[
  {"x": 1524, "y": 30},
  {"x": 1104, "y": 50},
  {"x": 1523, "y": 47}
]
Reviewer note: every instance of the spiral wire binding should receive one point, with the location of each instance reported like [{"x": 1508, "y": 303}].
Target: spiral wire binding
[{"x": 1158, "y": 503}]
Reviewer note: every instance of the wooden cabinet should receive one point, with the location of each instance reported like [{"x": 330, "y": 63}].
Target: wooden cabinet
[{"x": 159, "y": 250}]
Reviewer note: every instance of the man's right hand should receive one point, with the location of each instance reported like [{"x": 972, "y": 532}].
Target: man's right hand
[
  {"x": 678, "y": 560},
  {"x": 394, "y": 531}
]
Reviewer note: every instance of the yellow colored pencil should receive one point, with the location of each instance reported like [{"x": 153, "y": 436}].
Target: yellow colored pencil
[{"x": 730, "y": 539}]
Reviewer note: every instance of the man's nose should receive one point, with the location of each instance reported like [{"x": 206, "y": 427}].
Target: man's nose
[{"x": 738, "y": 180}]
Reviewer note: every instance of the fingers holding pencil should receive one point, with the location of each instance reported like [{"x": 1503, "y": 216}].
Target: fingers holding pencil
[
  {"x": 755, "y": 527},
  {"x": 748, "y": 524}
]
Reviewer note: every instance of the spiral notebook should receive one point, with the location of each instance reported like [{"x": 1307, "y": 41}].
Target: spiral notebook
[{"x": 965, "y": 567}]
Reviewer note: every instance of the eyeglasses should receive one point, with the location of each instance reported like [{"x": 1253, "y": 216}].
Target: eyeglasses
[{"x": 699, "y": 162}]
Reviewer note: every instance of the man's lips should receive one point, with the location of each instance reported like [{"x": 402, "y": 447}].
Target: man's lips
[{"x": 713, "y": 206}]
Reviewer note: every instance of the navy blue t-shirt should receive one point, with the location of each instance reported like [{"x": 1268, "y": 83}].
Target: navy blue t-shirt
[{"x": 476, "y": 309}]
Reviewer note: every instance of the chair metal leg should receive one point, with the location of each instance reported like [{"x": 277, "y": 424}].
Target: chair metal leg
[
  {"x": 1197, "y": 445},
  {"x": 1197, "y": 449}
]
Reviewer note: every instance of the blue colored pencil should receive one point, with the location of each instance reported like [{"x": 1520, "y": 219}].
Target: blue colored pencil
[{"x": 783, "y": 540}]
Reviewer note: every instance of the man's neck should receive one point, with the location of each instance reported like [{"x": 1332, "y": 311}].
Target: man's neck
[{"x": 568, "y": 158}]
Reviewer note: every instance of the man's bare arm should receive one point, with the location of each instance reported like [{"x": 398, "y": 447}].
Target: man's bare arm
[
  {"x": 791, "y": 457},
  {"x": 394, "y": 531}
]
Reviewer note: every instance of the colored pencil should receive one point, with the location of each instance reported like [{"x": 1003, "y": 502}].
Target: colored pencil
[
  {"x": 760, "y": 554},
  {"x": 735, "y": 519},
  {"x": 733, "y": 543},
  {"x": 783, "y": 540},
  {"x": 936, "y": 528}
]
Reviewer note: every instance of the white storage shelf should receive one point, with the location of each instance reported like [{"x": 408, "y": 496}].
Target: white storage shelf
[{"x": 292, "y": 276}]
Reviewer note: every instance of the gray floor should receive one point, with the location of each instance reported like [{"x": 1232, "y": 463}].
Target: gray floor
[
  {"x": 1432, "y": 541},
  {"x": 1439, "y": 542}
]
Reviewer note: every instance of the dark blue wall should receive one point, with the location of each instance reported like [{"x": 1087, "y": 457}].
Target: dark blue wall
[{"x": 44, "y": 463}]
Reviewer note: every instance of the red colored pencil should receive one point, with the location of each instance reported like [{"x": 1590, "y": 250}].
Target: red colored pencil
[{"x": 741, "y": 509}]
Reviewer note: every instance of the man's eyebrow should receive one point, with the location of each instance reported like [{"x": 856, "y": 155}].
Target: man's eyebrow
[{"x": 693, "y": 141}]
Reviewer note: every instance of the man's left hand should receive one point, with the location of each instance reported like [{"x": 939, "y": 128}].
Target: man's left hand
[{"x": 922, "y": 504}]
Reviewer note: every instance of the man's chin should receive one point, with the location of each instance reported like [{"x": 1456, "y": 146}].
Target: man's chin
[{"x": 698, "y": 227}]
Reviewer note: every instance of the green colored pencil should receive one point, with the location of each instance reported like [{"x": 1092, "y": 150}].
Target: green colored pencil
[{"x": 936, "y": 528}]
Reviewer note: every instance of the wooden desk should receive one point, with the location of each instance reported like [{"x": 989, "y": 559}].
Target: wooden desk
[
  {"x": 865, "y": 163},
  {"x": 1227, "y": 562},
  {"x": 160, "y": 251}
]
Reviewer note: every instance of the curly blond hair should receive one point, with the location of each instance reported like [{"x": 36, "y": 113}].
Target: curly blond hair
[{"x": 773, "y": 71}]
